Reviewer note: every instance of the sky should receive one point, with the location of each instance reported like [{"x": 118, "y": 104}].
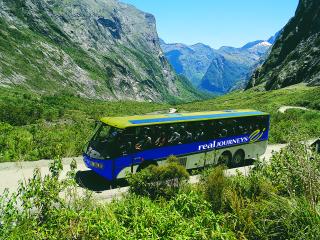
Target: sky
[{"x": 217, "y": 22}]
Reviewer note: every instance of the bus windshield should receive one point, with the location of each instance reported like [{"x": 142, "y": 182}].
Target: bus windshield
[{"x": 103, "y": 144}]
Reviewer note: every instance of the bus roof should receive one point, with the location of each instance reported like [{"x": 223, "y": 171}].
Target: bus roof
[{"x": 144, "y": 120}]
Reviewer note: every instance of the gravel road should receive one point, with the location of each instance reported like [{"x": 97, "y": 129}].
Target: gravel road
[{"x": 285, "y": 108}]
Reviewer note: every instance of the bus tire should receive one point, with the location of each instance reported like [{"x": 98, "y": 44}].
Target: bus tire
[
  {"x": 225, "y": 158},
  {"x": 238, "y": 158},
  {"x": 146, "y": 164}
]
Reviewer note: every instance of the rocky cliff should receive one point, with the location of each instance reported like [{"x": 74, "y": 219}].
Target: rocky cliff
[
  {"x": 94, "y": 48},
  {"x": 295, "y": 56}
]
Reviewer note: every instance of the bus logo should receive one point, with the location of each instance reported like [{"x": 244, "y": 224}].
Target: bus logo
[{"x": 256, "y": 135}]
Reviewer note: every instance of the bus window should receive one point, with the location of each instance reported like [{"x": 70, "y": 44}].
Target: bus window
[
  {"x": 160, "y": 136},
  {"x": 144, "y": 140},
  {"x": 199, "y": 131},
  {"x": 222, "y": 128},
  {"x": 186, "y": 135},
  {"x": 231, "y": 127},
  {"x": 102, "y": 133},
  {"x": 263, "y": 122},
  {"x": 126, "y": 141},
  {"x": 210, "y": 130},
  {"x": 238, "y": 127},
  {"x": 174, "y": 137},
  {"x": 104, "y": 144}
]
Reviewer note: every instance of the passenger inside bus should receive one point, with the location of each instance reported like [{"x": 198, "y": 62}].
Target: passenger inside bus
[
  {"x": 162, "y": 139},
  {"x": 145, "y": 142},
  {"x": 200, "y": 132},
  {"x": 186, "y": 136},
  {"x": 174, "y": 136}
]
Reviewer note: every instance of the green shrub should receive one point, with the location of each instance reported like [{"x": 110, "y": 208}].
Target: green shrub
[
  {"x": 276, "y": 218},
  {"x": 255, "y": 186},
  {"x": 190, "y": 203},
  {"x": 243, "y": 190},
  {"x": 214, "y": 185},
  {"x": 295, "y": 171},
  {"x": 159, "y": 181}
]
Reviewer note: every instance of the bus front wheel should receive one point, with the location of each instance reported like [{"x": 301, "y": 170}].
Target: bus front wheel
[
  {"x": 225, "y": 158},
  {"x": 238, "y": 158}
]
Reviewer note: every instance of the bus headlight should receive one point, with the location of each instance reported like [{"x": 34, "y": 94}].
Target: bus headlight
[{"x": 96, "y": 165}]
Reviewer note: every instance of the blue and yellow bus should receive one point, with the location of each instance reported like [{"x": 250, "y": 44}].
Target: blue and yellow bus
[{"x": 129, "y": 144}]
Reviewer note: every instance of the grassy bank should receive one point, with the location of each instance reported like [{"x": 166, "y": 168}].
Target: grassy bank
[{"x": 36, "y": 127}]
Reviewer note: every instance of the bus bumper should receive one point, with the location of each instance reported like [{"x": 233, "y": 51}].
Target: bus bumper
[{"x": 102, "y": 167}]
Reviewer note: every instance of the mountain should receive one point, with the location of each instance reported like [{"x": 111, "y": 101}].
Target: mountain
[
  {"x": 217, "y": 70},
  {"x": 234, "y": 67},
  {"x": 190, "y": 61},
  {"x": 295, "y": 56},
  {"x": 95, "y": 48}
]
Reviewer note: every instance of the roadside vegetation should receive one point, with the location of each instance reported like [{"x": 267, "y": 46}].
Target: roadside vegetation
[
  {"x": 276, "y": 201},
  {"x": 34, "y": 127}
]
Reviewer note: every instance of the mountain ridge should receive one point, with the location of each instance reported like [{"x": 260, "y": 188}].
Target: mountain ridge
[
  {"x": 97, "y": 49},
  {"x": 295, "y": 55},
  {"x": 210, "y": 69}
]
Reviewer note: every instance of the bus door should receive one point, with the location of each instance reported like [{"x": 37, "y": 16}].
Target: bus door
[{"x": 126, "y": 153}]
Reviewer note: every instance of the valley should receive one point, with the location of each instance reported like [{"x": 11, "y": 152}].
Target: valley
[
  {"x": 65, "y": 64},
  {"x": 217, "y": 71}
]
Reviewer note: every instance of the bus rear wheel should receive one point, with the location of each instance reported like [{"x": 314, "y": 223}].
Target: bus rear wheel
[
  {"x": 225, "y": 158},
  {"x": 238, "y": 158}
]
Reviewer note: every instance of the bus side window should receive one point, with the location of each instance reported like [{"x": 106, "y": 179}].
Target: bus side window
[
  {"x": 232, "y": 127},
  {"x": 240, "y": 127},
  {"x": 174, "y": 137},
  {"x": 225, "y": 130},
  {"x": 222, "y": 129},
  {"x": 186, "y": 135},
  {"x": 143, "y": 140},
  {"x": 264, "y": 122},
  {"x": 210, "y": 132},
  {"x": 127, "y": 141},
  {"x": 248, "y": 126},
  {"x": 199, "y": 131},
  {"x": 160, "y": 136},
  {"x": 219, "y": 129}
]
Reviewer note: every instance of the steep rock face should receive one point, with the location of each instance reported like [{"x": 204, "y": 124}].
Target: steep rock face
[
  {"x": 95, "y": 48},
  {"x": 295, "y": 57}
]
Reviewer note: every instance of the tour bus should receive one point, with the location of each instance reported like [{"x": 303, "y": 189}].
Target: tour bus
[{"x": 121, "y": 145}]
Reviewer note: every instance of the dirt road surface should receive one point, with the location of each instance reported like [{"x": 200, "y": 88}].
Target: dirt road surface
[
  {"x": 12, "y": 173},
  {"x": 283, "y": 109}
]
